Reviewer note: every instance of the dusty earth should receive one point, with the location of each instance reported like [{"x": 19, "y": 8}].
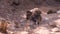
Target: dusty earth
[{"x": 14, "y": 12}]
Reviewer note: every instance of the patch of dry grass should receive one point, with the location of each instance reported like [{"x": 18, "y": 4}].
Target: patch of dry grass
[{"x": 3, "y": 26}]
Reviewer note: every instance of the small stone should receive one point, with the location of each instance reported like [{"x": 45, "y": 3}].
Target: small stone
[
  {"x": 42, "y": 30},
  {"x": 24, "y": 32},
  {"x": 55, "y": 29},
  {"x": 58, "y": 11}
]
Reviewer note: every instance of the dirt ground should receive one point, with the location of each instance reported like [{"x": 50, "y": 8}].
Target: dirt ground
[{"x": 14, "y": 12}]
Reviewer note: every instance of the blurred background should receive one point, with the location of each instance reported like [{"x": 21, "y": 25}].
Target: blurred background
[{"x": 14, "y": 11}]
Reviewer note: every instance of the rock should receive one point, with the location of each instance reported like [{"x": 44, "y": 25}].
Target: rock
[
  {"x": 1, "y": 33},
  {"x": 58, "y": 11},
  {"x": 57, "y": 22},
  {"x": 21, "y": 32},
  {"x": 55, "y": 29},
  {"x": 24, "y": 32},
  {"x": 10, "y": 32},
  {"x": 34, "y": 9},
  {"x": 57, "y": 33},
  {"x": 51, "y": 12},
  {"x": 42, "y": 30}
]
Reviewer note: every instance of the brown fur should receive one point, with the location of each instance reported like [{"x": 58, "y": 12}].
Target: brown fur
[{"x": 35, "y": 17}]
